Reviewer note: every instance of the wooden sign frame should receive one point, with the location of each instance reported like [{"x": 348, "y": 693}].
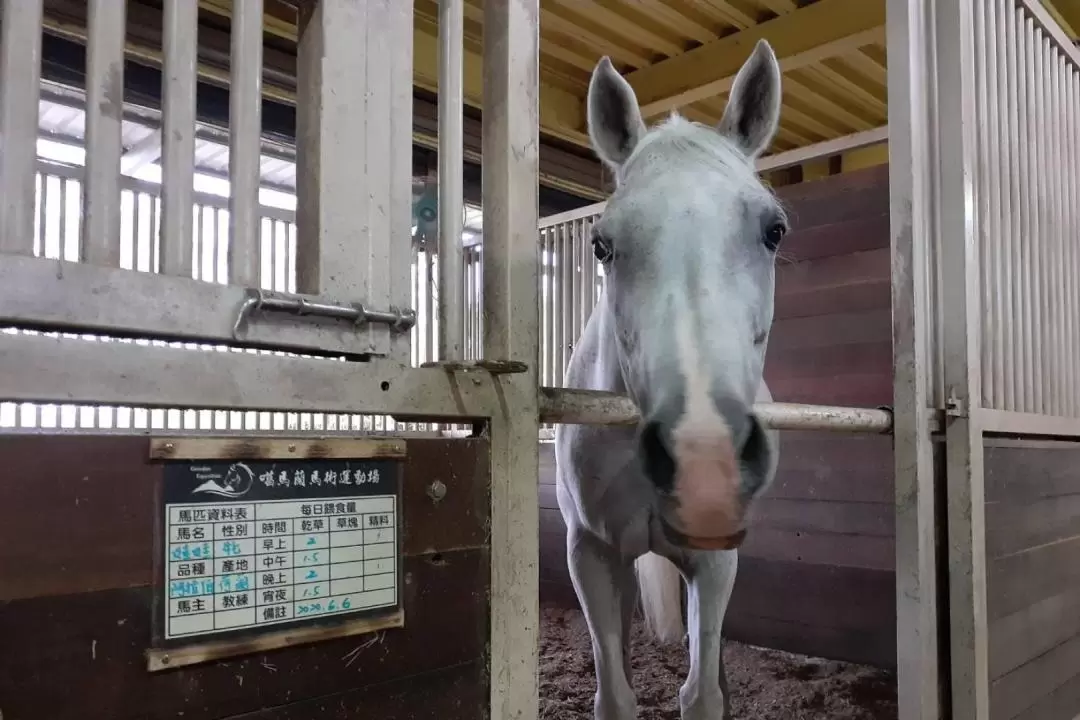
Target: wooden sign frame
[{"x": 318, "y": 487}]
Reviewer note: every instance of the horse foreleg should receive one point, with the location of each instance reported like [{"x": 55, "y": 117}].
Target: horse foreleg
[
  {"x": 710, "y": 580},
  {"x": 601, "y": 580}
]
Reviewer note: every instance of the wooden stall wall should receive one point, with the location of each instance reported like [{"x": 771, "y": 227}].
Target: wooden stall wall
[
  {"x": 76, "y": 558},
  {"x": 816, "y": 573},
  {"x": 1033, "y": 586}
]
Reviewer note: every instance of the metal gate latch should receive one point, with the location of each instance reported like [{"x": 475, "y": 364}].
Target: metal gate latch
[{"x": 258, "y": 300}]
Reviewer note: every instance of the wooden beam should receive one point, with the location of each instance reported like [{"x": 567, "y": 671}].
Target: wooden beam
[
  {"x": 825, "y": 29},
  {"x": 1066, "y": 13}
]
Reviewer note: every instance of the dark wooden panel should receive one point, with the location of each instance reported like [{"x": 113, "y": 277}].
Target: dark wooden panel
[
  {"x": 1059, "y": 704},
  {"x": 831, "y": 272},
  {"x": 839, "y": 238},
  {"x": 1029, "y": 685},
  {"x": 96, "y": 492},
  {"x": 827, "y": 516},
  {"x": 462, "y": 693},
  {"x": 837, "y": 199},
  {"x": 873, "y": 647},
  {"x": 852, "y": 389},
  {"x": 834, "y": 466},
  {"x": 820, "y": 548},
  {"x": 866, "y": 294},
  {"x": 808, "y": 364},
  {"x": 89, "y": 646},
  {"x": 1033, "y": 584},
  {"x": 850, "y": 598},
  {"x": 860, "y": 326}
]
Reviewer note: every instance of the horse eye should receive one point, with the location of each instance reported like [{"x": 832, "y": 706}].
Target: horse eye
[
  {"x": 601, "y": 247},
  {"x": 774, "y": 235}
]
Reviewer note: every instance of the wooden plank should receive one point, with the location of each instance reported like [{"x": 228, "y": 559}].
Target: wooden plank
[
  {"x": 869, "y": 647},
  {"x": 1013, "y": 527},
  {"x": 1021, "y": 689},
  {"x": 96, "y": 492},
  {"x": 1034, "y": 630},
  {"x": 461, "y": 692},
  {"x": 815, "y": 595},
  {"x": 1018, "y": 473},
  {"x": 95, "y": 654},
  {"x": 840, "y": 550},
  {"x": 854, "y": 390},
  {"x": 826, "y": 516},
  {"x": 860, "y": 295},
  {"x": 1019, "y": 580},
  {"x": 809, "y": 364},
  {"x": 841, "y": 238},
  {"x": 858, "y": 326},
  {"x": 1060, "y": 704},
  {"x": 831, "y": 272},
  {"x": 267, "y": 448}
]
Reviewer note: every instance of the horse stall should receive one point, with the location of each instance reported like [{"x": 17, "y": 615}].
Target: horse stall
[{"x": 816, "y": 574}]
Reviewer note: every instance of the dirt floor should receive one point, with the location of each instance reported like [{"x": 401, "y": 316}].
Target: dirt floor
[{"x": 764, "y": 684}]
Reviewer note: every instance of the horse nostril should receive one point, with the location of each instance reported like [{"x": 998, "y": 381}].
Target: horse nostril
[{"x": 659, "y": 465}]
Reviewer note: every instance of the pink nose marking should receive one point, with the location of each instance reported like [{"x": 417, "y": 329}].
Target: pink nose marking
[{"x": 706, "y": 485}]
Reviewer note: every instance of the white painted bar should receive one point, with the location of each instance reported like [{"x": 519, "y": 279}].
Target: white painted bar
[
  {"x": 178, "y": 136},
  {"x": 106, "y": 29},
  {"x": 245, "y": 132},
  {"x": 511, "y": 142},
  {"x": 20, "y": 77},
  {"x": 451, "y": 179}
]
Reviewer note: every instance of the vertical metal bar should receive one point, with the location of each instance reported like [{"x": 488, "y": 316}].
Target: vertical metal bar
[
  {"x": 245, "y": 141},
  {"x": 911, "y": 143},
  {"x": 957, "y": 116},
  {"x": 1042, "y": 231},
  {"x": 451, "y": 178},
  {"x": 106, "y": 27},
  {"x": 180, "y": 25},
  {"x": 1012, "y": 263},
  {"x": 1004, "y": 56},
  {"x": 1055, "y": 310},
  {"x": 1072, "y": 230},
  {"x": 566, "y": 262},
  {"x": 20, "y": 83},
  {"x": 1024, "y": 113},
  {"x": 983, "y": 172},
  {"x": 511, "y": 119}
]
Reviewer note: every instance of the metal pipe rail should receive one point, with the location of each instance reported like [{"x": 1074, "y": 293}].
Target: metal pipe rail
[{"x": 590, "y": 407}]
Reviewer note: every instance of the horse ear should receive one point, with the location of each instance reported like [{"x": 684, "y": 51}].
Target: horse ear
[
  {"x": 753, "y": 109},
  {"x": 615, "y": 123}
]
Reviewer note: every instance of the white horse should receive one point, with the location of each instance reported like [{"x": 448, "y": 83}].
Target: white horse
[{"x": 688, "y": 243}]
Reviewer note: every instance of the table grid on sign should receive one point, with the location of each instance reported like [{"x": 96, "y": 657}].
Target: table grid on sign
[{"x": 234, "y": 566}]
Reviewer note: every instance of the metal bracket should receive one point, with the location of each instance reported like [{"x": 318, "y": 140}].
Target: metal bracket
[
  {"x": 258, "y": 300},
  {"x": 955, "y": 406}
]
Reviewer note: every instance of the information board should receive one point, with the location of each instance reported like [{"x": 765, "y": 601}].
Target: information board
[{"x": 251, "y": 545}]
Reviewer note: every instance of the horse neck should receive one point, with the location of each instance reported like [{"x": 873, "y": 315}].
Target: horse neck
[{"x": 594, "y": 364}]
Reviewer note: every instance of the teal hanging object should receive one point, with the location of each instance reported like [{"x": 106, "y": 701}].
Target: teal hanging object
[{"x": 425, "y": 210}]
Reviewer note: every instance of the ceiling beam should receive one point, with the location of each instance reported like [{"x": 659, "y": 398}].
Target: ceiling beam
[{"x": 822, "y": 30}]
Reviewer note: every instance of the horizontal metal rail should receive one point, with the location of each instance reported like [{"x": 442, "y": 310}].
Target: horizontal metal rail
[{"x": 590, "y": 407}]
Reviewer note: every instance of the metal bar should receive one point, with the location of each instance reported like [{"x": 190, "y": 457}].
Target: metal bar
[
  {"x": 20, "y": 77},
  {"x": 180, "y": 27},
  {"x": 956, "y": 115},
  {"x": 511, "y": 121},
  {"x": 245, "y": 132},
  {"x": 106, "y": 26},
  {"x": 260, "y": 301},
  {"x": 910, "y": 72},
  {"x": 451, "y": 179},
  {"x": 591, "y": 407}
]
